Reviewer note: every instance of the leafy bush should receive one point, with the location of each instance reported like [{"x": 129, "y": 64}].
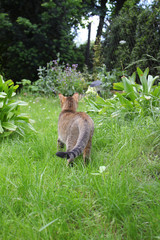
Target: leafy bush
[
  {"x": 56, "y": 78},
  {"x": 108, "y": 78},
  {"x": 132, "y": 99},
  {"x": 27, "y": 86},
  {"x": 11, "y": 120},
  {"x": 131, "y": 36}
]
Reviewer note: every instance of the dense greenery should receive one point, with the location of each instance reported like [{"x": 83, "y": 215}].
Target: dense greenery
[
  {"x": 33, "y": 32},
  {"x": 132, "y": 38},
  {"x": 115, "y": 197},
  {"x": 132, "y": 99},
  {"x": 11, "y": 118}
]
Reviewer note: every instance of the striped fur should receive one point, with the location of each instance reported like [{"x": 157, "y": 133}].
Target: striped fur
[{"x": 75, "y": 129}]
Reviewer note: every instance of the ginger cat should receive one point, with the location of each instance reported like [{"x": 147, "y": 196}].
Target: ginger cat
[{"x": 75, "y": 129}]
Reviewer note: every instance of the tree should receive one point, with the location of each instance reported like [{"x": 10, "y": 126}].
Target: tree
[
  {"x": 33, "y": 33},
  {"x": 133, "y": 37}
]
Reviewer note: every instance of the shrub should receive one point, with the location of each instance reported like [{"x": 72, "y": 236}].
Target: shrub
[
  {"x": 132, "y": 99},
  {"x": 56, "y": 78},
  {"x": 107, "y": 79},
  {"x": 11, "y": 120}
]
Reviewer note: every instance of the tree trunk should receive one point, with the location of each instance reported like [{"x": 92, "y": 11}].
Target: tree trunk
[
  {"x": 88, "y": 44},
  {"x": 101, "y": 20}
]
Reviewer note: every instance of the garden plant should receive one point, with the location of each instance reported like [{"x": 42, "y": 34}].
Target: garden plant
[{"x": 11, "y": 118}]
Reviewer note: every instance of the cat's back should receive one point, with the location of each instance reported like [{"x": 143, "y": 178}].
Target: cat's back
[{"x": 67, "y": 117}]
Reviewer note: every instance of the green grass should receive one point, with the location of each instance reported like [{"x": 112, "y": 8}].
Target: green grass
[{"x": 40, "y": 198}]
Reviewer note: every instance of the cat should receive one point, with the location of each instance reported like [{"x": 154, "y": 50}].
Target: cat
[{"x": 75, "y": 129}]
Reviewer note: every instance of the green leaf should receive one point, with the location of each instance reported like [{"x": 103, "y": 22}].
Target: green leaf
[
  {"x": 125, "y": 102},
  {"x": 129, "y": 89},
  {"x": 1, "y": 104},
  {"x": 15, "y": 104},
  {"x": 9, "y": 126},
  {"x": 1, "y": 128},
  {"x": 133, "y": 78},
  {"x": 1, "y": 80},
  {"x": 31, "y": 127},
  {"x": 156, "y": 92},
  {"x": 140, "y": 73},
  {"x": 100, "y": 100},
  {"x": 9, "y": 82},
  {"x": 151, "y": 81},
  {"x": 3, "y": 95},
  {"x": 146, "y": 72},
  {"x": 118, "y": 86}
]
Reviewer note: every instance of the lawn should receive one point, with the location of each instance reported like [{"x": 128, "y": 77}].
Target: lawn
[{"x": 41, "y": 198}]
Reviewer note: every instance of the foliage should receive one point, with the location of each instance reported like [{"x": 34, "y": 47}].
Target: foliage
[
  {"x": 132, "y": 35},
  {"x": 132, "y": 99},
  {"x": 32, "y": 35},
  {"x": 60, "y": 78},
  {"x": 108, "y": 78},
  {"x": 27, "y": 86},
  {"x": 91, "y": 93},
  {"x": 11, "y": 119},
  {"x": 97, "y": 59}
]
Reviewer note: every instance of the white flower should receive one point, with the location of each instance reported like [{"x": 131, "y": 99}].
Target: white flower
[
  {"x": 102, "y": 169},
  {"x": 147, "y": 97},
  {"x": 122, "y": 42}
]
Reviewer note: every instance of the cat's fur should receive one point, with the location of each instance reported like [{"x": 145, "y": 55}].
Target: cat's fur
[{"x": 75, "y": 129}]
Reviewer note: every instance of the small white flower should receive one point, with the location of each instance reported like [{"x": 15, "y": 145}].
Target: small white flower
[
  {"x": 102, "y": 169},
  {"x": 147, "y": 97},
  {"x": 122, "y": 42}
]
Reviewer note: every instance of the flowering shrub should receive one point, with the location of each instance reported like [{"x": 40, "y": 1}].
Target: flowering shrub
[{"x": 56, "y": 78}]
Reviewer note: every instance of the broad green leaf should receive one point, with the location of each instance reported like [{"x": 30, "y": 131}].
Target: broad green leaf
[
  {"x": 9, "y": 82},
  {"x": 129, "y": 89},
  {"x": 143, "y": 79},
  {"x": 125, "y": 102},
  {"x": 151, "y": 81},
  {"x": 133, "y": 78},
  {"x": 1, "y": 79},
  {"x": 15, "y": 104},
  {"x": 13, "y": 94},
  {"x": 5, "y": 87},
  {"x": 31, "y": 127},
  {"x": 3, "y": 95},
  {"x": 156, "y": 92},
  {"x": 15, "y": 87},
  {"x": 100, "y": 100},
  {"x": 23, "y": 117},
  {"x": 20, "y": 131},
  {"x": 1, "y": 128},
  {"x": 9, "y": 125},
  {"x": 1, "y": 104},
  {"x": 10, "y": 91},
  {"x": 140, "y": 73},
  {"x": 118, "y": 86},
  {"x": 146, "y": 72}
]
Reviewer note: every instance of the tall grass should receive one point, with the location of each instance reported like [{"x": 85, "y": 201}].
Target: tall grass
[{"x": 43, "y": 199}]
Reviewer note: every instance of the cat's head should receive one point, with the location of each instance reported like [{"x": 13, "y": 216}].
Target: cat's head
[{"x": 69, "y": 103}]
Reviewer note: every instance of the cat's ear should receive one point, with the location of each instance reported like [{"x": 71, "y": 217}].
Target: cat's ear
[
  {"x": 62, "y": 98},
  {"x": 76, "y": 96}
]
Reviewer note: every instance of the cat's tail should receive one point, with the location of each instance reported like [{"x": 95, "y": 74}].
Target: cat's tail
[{"x": 71, "y": 154}]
